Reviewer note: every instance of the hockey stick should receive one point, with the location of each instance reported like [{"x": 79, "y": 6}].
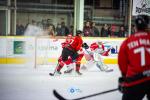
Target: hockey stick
[{"x": 59, "y": 97}]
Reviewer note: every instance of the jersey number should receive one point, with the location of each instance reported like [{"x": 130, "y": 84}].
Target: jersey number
[{"x": 141, "y": 50}]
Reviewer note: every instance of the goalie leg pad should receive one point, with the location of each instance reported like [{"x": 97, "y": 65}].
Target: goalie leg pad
[
  {"x": 97, "y": 57},
  {"x": 99, "y": 66}
]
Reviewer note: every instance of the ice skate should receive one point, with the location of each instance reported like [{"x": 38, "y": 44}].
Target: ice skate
[
  {"x": 78, "y": 73},
  {"x": 57, "y": 73}
]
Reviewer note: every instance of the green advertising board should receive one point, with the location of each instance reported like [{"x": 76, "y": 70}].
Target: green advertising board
[{"x": 19, "y": 47}]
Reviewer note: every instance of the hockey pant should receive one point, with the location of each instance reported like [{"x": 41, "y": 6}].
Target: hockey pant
[
  {"x": 67, "y": 52},
  {"x": 78, "y": 63}
]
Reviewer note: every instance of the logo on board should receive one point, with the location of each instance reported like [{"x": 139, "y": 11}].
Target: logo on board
[
  {"x": 19, "y": 47},
  {"x": 143, "y": 6}
]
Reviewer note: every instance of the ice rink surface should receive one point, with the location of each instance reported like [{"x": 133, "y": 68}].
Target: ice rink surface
[{"x": 26, "y": 83}]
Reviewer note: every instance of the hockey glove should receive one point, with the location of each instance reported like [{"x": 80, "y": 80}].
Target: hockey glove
[
  {"x": 85, "y": 46},
  {"x": 121, "y": 87}
]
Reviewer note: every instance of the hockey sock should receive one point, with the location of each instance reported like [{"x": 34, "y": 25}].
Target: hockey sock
[
  {"x": 59, "y": 67},
  {"x": 69, "y": 61},
  {"x": 77, "y": 67}
]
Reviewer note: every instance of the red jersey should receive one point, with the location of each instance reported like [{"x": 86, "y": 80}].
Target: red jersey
[
  {"x": 134, "y": 56},
  {"x": 94, "y": 46},
  {"x": 76, "y": 43},
  {"x": 67, "y": 42}
]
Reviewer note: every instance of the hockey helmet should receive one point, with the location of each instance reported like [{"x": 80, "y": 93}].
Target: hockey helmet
[
  {"x": 78, "y": 32},
  {"x": 69, "y": 36},
  {"x": 142, "y": 22}
]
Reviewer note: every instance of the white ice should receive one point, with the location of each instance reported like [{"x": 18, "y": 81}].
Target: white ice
[{"x": 26, "y": 83}]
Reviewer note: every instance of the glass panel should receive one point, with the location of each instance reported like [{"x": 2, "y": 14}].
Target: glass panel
[
  {"x": 49, "y": 15},
  {"x": 44, "y": 17},
  {"x": 2, "y": 22}
]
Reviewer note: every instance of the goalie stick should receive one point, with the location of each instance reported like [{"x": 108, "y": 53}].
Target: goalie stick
[{"x": 59, "y": 97}]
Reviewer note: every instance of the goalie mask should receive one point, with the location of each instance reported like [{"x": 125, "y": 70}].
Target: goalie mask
[{"x": 99, "y": 42}]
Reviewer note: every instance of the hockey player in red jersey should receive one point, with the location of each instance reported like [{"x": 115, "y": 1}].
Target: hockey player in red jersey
[
  {"x": 134, "y": 62},
  {"x": 67, "y": 42},
  {"x": 70, "y": 53}
]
